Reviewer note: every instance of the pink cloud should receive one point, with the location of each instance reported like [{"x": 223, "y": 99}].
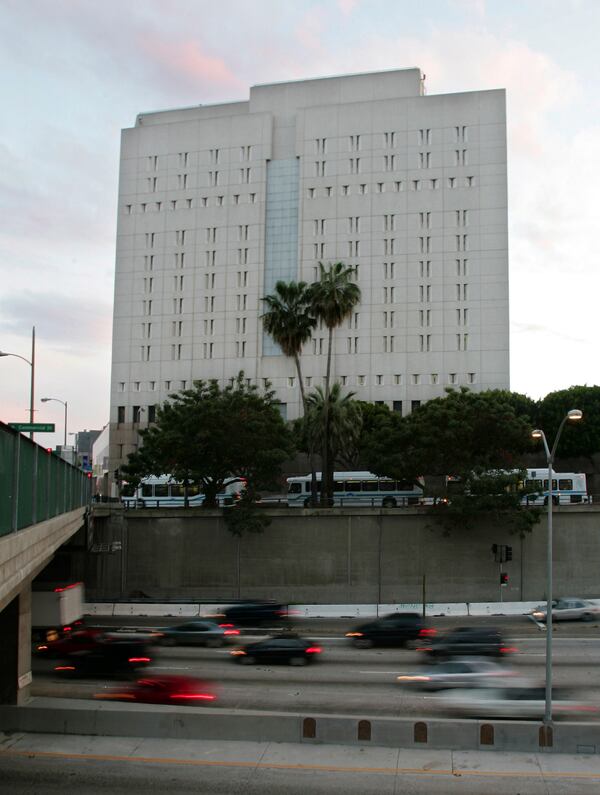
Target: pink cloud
[{"x": 185, "y": 59}]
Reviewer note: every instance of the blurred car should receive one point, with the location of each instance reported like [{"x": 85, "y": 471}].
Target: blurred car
[
  {"x": 287, "y": 648},
  {"x": 81, "y": 640},
  {"x": 569, "y": 609},
  {"x": 468, "y": 672},
  {"x": 110, "y": 657},
  {"x": 468, "y": 642},
  {"x": 197, "y": 633},
  {"x": 510, "y": 702},
  {"x": 395, "y": 629},
  {"x": 170, "y": 689},
  {"x": 257, "y": 612}
]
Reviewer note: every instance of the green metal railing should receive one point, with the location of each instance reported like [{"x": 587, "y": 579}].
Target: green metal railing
[{"x": 35, "y": 484}]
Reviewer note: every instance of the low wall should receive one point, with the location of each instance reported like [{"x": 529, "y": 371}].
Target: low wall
[
  {"x": 70, "y": 716},
  {"x": 336, "y": 556}
]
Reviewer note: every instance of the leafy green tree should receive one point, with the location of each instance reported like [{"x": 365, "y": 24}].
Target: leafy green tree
[
  {"x": 289, "y": 321},
  {"x": 333, "y": 298},
  {"x": 580, "y": 438},
  {"x": 212, "y": 436},
  {"x": 479, "y": 438}
]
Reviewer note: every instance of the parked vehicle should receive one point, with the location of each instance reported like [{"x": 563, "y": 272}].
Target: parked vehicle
[
  {"x": 196, "y": 633},
  {"x": 287, "y": 648},
  {"x": 358, "y": 489},
  {"x": 569, "y": 609},
  {"x": 467, "y": 672},
  {"x": 55, "y": 611},
  {"x": 163, "y": 491},
  {"x": 395, "y": 629},
  {"x": 510, "y": 702},
  {"x": 254, "y": 612},
  {"x": 468, "y": 642},
  {"x": 170, "y": 689}
]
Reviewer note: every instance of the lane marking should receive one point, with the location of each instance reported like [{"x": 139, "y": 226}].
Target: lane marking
[{"x": 540, "y": 774}]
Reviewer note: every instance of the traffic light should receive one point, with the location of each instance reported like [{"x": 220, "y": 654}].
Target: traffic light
[
  {"x": 503, "y": 578},
  {"x": 508, "y": 553}
]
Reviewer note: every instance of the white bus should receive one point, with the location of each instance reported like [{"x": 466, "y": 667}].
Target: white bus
[
  {"x": 358, "y": 489},
  {"x": 164, "y": 492},
  {"x": 568, "y": 488}
]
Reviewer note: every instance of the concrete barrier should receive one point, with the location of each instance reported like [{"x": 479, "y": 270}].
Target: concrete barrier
[
  {"x": 72, "y": 716},
  {"x": 318, "y": 611}
]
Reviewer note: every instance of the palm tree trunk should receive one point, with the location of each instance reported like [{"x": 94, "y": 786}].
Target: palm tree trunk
[
  {"x": 326, "y": 464},
  {"x": 311, "y": 452}
]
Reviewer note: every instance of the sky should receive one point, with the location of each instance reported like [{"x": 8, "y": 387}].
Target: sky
[{"x": 75, "y": 72}]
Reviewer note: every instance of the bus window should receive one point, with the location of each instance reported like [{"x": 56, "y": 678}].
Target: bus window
[
  {"x": 370, "y": 485},
  {"x": 295, "y": 488},
  {"x": 565, "y": 485},
  {"x": 161, "y": 490},
  {"x": 387, "y": 485},
  {"x": 404, "y": 485},
  {"x": 553, "y": 484},
  {"x": 338, "y": 485},
  {"x": 193, "y": 489},
  {"x": 146, "y": 490},
  {"x": 534, "y": 485},
  {"x": 352, "y": 485},
  {"x": 177, "y": 490}
]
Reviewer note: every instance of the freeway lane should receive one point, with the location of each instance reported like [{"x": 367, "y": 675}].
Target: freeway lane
[{"x": 345, "y": 680}]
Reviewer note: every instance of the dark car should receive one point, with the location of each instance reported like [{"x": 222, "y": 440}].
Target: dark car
[
  {"x": 107, "y": 658},
  {"x": 81, "y": 640},
  {"x": 168, "y": 689},
  {"x": 395, "y": 629},
  {"x": 288, "y": 648},
  {"x": 197, "y": 633},
  {"x": 259, "y": 612},
  {"x": 468, "y": 642}
]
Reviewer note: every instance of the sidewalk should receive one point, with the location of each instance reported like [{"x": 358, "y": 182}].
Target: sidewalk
[{"x": 284, "y": 767}]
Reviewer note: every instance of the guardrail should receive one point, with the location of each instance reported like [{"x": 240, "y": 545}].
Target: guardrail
[{"x": 35, "y": 484}]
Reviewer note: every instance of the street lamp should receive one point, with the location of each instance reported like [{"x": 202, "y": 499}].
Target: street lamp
[
  {"x": 64, "y": 402},
  {"x": 31, "y": 363},
  {"x": 572, "y": 416}
]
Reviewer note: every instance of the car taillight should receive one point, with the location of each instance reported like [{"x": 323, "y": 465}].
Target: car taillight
[
  {"x": 64, "y": 668},
  {"x": 354, "y": 634},
  {"x": 231, "y": 632},
  {"x": 313, "y": 650},
  {"x": 139, "y": 659},
  {"x": 224, "y": 626},
  {"x": 281, "y": 612},
  {"x": 67, "y": 629},
  {"x": 508, "y": 649},
  {"x": 294, "y": 613},
  {"x": 193, "y": 696},
  {"x": 42, "y": 648},
  {"x": 427, "y": 633},
  {"x": 237, "y": 653}
]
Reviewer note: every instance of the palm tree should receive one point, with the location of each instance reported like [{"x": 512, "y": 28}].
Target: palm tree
[
  {"x": 343, "y": 416},
  {"x": 332, "y": 299},
  {"x": 289, "y": 321}
]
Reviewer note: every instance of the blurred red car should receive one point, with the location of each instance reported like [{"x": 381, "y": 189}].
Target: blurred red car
[
  {"x": 170, "y": 689},
  {"x": 81, "y": 640}
]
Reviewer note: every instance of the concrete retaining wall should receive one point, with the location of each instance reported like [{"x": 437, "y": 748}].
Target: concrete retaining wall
[
  {"x": 337, "y": 556},
  {"x": 56, "y": 716}
]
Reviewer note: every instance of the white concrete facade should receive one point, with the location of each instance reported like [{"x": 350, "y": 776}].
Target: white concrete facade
[{"x": 216, "y": 203}]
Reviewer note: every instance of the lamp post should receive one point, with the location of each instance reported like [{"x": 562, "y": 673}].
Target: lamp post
[
  {"x": 31, "y": 363},
  {"x": 64, "y": 402},
  {"x": 573, "y": 415}
]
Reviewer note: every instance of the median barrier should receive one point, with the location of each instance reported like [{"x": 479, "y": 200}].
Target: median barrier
[{"x": 74, "y": 716}]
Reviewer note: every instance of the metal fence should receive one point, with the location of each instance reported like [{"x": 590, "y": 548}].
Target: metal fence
[{"x": 35, "y": 484}]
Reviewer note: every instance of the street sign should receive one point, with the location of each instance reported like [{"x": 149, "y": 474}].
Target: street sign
[{"x": 38, "y": 427}]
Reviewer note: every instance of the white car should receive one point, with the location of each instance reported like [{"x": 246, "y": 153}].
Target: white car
[
  {"x": 509, "y": 702},
  {"x": 569, "y": 609},
  {"x": 467, "y": 672}
]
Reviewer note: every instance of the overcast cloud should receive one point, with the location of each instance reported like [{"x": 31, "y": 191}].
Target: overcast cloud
[{"x": 77, "y": 71}]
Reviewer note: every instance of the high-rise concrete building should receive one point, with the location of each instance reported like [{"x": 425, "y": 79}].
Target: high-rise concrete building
[{"x": 219, "y": 202}]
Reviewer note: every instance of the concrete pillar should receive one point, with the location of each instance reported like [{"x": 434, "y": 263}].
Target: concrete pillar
[{"x": 15, "y": 660}]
